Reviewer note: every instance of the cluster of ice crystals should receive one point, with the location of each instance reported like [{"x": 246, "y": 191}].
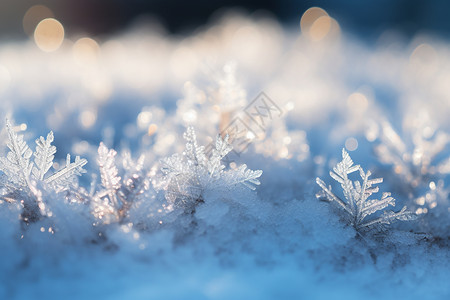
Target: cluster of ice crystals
[
  {"x": 113, "y": 201},
  {"x": 357, "y": 204},
  {"x": 188, "y": 176},
  {"x": 24, "y": 177}
]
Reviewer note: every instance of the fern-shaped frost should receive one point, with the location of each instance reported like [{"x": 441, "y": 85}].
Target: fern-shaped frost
[
  {"x": 188, "y": 176},
  {"x": 44, "y": 155},
  {"x": 357, "y": 204},
  {"x": 65, "y": 177},
  {"x": 22, "y": 171},
  {"x": 112, "y": 202},
  {"x": 247, "y": 177},
  {"x": 109, "y": 172},
  {"x": 26, "y": 180},
  {"x": 17, "y": 165}
]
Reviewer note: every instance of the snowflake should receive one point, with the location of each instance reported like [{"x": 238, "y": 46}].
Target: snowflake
[
  {"x": 358, "y": 206},
  {"x": 113, "y": 201},
  {"x": 23, "y": 176},
  {"x": 188, "y": 176}
]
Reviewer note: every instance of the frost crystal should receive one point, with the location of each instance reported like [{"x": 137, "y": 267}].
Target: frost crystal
[
  {"x": 113, "y": 201},
  {"x": 189, "y": 175},
  {"x": 21, "y": 171},
  {"x": 23, "y": 176},
  {"x": 357, "y": 204}
]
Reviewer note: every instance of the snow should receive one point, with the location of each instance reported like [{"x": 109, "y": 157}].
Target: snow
[{"x": 277, "y": 242}]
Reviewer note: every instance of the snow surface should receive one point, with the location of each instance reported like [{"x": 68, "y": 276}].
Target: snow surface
[{"x": 278, "y": 242}]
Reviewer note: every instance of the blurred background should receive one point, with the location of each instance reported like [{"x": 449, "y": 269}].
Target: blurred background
[
  {"x": 106, "y": 17},
  {"x": 138, "y": 72}
]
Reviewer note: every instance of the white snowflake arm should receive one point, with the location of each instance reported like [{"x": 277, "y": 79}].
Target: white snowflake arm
[
  {"x": 330, "y": 196},
  {"x": 109, "y": 172},
  {"x": 194, "y": 153},
  {"x": 215, "y": 165},
  {"x": 43, "y": 156},
  {"x": 247, "y": 177},
  {"x": 389, "y": 216},
  {"x": 17, "y": 165},
  {"x": 64, "y": 177},
  {"x": 372, "y": 206}
]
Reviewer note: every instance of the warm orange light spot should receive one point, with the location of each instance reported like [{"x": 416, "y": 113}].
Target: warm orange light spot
[
  {"x": 309, "y": 17},
  {"x": 316, "y": 24},
  {"x": 152, "y": 129},
  {"x": 49, "y": 35},
  {"x": 320, "y": 28}
]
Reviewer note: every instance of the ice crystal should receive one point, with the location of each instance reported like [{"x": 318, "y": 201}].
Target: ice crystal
[
  {"x": 21, "y": 171},
  {"x": 23, "y": 176},
  {"x": 188, "y": 176},
  {"x": 357, "y": 204},
  {"x": 113, "y": 201}
]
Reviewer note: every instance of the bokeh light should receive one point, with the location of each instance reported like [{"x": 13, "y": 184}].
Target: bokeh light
[
  {"x": 316, "y": 24},
  {"x": 49, "y": 35},
  {"x": 309, "y": 17},
  {"x": 33, "y": 16},
  {"x": 351, "y": 144},
  {"x": 101, "y": 71},
  {"x": 86, "y": 50},
  {"x": 357, "y": 102}
]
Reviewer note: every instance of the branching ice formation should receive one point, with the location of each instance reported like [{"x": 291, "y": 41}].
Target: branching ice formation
[
  {"x": 113, "y": 201},
  {"x": 187, "y": 176},
  {"x": 23, "y": 177},
  {"x": 357, "y": 204}
]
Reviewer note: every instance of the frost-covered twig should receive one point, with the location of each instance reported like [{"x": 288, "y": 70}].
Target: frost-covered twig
[{"x": 357, "y": 204}]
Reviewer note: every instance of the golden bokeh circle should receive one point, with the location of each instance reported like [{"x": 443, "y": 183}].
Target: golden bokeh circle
[{"x": 49, "y": 35}]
